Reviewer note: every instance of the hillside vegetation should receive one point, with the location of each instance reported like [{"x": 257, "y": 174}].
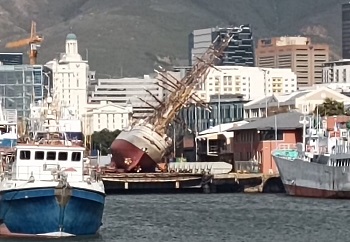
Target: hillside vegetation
[{"x": 132, "y": 35}]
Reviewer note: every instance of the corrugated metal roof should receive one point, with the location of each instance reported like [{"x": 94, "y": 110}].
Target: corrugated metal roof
[{"x": 284, "y": 121}]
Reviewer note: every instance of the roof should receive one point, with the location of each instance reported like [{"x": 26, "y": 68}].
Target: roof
[
  {"x": 223, "y": 127},
  {"x": 71, "y": 36},
  {"x": 274, "y": 101},
  {"x": 285, "y": 121}
]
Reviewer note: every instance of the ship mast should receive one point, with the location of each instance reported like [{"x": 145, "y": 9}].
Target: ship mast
[{"x": 182, "y": 92}]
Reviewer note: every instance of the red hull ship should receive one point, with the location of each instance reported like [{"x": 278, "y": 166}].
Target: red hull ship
[{"x": 142, "y": 147}]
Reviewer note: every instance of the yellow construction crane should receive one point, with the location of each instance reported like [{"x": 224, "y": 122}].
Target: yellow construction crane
[{"x": 33, "y": 41}]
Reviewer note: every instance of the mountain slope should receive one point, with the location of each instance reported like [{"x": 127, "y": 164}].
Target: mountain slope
[{"x": 130, "y": 35}]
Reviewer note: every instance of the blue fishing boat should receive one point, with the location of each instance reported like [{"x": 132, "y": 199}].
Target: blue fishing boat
[{"x": 47, "y": 189}]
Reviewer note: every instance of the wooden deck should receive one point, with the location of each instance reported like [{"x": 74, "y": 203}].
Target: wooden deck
[{"x": 231, "y": 182}]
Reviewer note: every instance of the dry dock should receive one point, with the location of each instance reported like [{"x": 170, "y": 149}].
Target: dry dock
[{"x": 181, "y": 182}]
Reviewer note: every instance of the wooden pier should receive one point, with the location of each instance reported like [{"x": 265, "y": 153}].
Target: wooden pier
[{"x": 181, "y": 182}]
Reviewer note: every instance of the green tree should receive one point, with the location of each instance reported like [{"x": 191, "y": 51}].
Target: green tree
[
  {"x": 103, "y": 139},
  {"x": 330, "y": 107}
]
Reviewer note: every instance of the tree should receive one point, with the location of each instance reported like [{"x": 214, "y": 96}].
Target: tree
[
  {"x": 103, "y": 139},
  {"x": 330, "y": 107}
]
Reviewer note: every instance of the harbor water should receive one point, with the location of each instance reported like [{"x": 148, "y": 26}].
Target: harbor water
[{"x": 220, "y": 217}]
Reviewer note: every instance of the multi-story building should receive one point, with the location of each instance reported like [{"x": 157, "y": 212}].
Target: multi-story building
[
  {"x": 251, "y": 82},
  {"x": 106, "y": 115},
  {"x": 70, "y": 77},
  {"x": 298, "y": 53},
  {"x": 227, "y": 108},
  {"x": 11, "y": 58},
  {"x": 303, "y": 101},
  {"x": 336, "y": 72},
  {"x": 346, "y": 31},
  {"x": 129, "y": 90},
  {"x": 20, "y": 85},
  {"x": 240, "y": 51}
]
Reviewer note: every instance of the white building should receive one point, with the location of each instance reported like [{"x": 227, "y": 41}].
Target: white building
[
  {"x": 70, "y": 77},
  {"x": 252, "y": 82},
  {"x": 106, "y": 116},
  {"x": 336, "y": 71},
  {"x": 123, "y": 90}
]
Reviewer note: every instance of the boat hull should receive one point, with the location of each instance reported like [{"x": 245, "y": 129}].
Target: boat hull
[
  {"x": 308, "y": 179},
  {"x": 50, "y": 212},
  {"x": 144, "y": 147}
]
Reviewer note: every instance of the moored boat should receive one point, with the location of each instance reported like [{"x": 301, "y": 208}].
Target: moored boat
[
  {"x": 47, "y": 190},
  {"x": 318, "y": 167}
]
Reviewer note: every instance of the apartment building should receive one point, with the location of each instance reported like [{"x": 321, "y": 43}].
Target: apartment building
[
  {"x": 250, "y": 82},
  {"x": 298, "y": 53}
]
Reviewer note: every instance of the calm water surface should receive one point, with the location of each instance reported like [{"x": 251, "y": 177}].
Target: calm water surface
[{"x": 221, "y": 217}]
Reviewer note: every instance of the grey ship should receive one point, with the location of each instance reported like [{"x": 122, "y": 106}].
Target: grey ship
[{"x": 320, "y": 166}]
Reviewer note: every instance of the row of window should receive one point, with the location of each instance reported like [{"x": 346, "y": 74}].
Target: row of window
[{"x": 50, "y": 155}]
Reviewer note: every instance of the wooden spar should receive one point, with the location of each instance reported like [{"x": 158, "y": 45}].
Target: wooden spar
[
  {"x": 209, "y": 64},
  {"x": 150, "y": 105},
  {"x": 182, "y": 91},
  {"x": 154, "y": 96},
  {"x": 167, "y": 81},
  {"x": 164, "y": 87}
]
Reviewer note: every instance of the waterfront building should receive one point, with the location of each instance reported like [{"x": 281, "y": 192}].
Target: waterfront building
[
  {"x": 20, "y": 85},
  {"x": 240, "y": 51},
  {"x": 303, "y": 101},
  {"x": 253, "y": 142},
  {"x": 227, "y": 108},
  {"x": 250, "y": 82},
  {"x": 297, "y": 53}
]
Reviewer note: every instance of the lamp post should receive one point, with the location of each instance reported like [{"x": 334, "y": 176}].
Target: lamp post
[{"x": 174, "y": 139}]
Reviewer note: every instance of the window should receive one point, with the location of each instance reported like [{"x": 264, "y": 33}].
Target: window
[
  {"x": 24, "y": 155},
  {"x": 39, "y": 155},
  {"x": 51, "y": 155},
  {"x": 62, "y": 156},
  {"x": 76, "y": 156},
  {"x": 270, "y": 135}
]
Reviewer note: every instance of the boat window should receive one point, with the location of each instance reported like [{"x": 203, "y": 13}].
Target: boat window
[
  {"x": 62, "y": 156},
  {"x": 76, "y": 156},
  {"x": 51, "y": 155},
  {"x": 39, "y": 155},
  {"x": 24, "y": 155}
]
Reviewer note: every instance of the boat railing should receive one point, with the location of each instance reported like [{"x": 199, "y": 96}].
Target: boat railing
[
  {"x": 340, "y": 149},
  {"x": 49, "y": 172},
  {"x": 287, "y": 146}
]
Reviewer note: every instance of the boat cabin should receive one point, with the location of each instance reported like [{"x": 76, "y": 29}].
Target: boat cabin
[{"x": 42, "y": 162}]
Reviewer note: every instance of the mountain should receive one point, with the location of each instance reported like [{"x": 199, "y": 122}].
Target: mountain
[{"x": 127, "y": 37}]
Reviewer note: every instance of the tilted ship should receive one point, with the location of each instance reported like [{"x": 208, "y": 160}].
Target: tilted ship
[
  {"x": 142, "y": 146},
  {"x": 318, "y": 167}
]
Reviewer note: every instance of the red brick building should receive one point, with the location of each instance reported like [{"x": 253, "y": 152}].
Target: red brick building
[{"x": 256, "y": 140}]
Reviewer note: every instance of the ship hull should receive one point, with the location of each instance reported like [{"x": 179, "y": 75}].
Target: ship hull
[
  {"x": 142, "y": 146},
  {"x": 42, "y": 212},
  {"x": 308, "y": 179}
]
